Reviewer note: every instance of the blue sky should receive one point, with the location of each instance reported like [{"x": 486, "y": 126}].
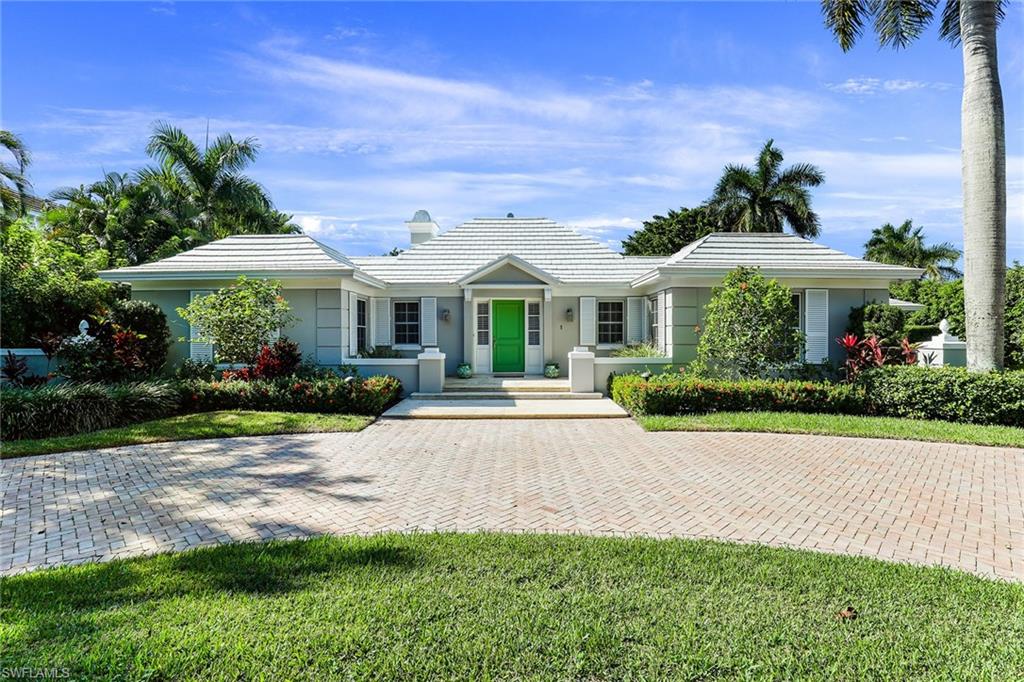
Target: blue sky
[{"x": 596, "y": 115}]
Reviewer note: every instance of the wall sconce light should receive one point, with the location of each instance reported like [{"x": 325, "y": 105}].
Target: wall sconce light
[
  {"x": 446, "y": 315},
  {"x": 568, "y": 314}
]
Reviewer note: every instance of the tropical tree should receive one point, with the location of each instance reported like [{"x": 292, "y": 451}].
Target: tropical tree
[
  {"x": 667, "y": 234},
  {"x": 972, "y": 25},
  {"x": 904, "y": 245},
  {"x": 766, "y": 198},
  {"x": 211, "y": 195},
  {"x": 13, "y": 182}
]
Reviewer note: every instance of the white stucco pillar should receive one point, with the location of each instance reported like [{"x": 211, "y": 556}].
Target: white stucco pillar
[
  {"x": 581, "y": 370},
  {"x": 431, "y": 367},
  {"x": 943, "y": 349}
]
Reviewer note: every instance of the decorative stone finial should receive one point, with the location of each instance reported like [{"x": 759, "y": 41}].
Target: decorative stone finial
[
  {"x": 944, "y": 326},
  {"x": 83, "y": 328}
]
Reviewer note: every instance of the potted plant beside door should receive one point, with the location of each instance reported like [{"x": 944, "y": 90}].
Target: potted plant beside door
[
  {"x": 551, "y": 370},
  {"x": 464, "y": 370}
]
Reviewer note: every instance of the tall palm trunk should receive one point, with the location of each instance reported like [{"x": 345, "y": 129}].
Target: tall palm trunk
[{"x": 983, "y": 146}]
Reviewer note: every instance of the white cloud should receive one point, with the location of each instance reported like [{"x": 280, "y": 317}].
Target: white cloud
[{"x": 864, "y": 86}]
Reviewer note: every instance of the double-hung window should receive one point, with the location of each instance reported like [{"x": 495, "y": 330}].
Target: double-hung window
[
  {"x": 361, "y": 324},
  {"x": 611, "y": 325},
  {"x": 407, "y": 323},
  {"x": 483, "y": 323},
  {"x": 652, "y": 318},
  {"x": 533, "y": 324}
]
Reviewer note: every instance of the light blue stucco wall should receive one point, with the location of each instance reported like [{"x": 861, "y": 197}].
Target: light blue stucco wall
[{"x": 169, "y": 301}]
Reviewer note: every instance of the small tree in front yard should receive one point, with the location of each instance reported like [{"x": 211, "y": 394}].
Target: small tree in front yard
[
  {"x": 241, "y": 319},
  {"x": 750, "y": 327}
]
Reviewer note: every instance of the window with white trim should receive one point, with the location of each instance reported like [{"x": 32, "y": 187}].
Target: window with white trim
[
  {"x": 407, "y": 323},
  {"x": 361, "y": 324},
  {"x": 652, "y": 319},
  {"x": 483, "y": 323},
  {"x": 796, "y": 299},
  {"x": 611, "y": 325},
  {"x": 533, "y": 324}
]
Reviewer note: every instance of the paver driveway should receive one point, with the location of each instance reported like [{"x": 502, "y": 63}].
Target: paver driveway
[{"x": 956, "y": 505}]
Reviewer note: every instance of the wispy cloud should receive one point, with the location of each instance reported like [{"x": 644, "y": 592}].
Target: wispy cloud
[{"x": 874, "y": 86}]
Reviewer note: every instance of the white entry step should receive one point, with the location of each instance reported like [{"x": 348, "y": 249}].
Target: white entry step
[
  {"x": 505, "y": 395},
  {"x": 509, "y": 384},
  {"x": 602, "y": 408}
]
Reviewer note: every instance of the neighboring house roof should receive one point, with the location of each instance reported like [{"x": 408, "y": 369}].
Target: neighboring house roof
[
  {"x": 280, "y": 254},
  {"x": 554, "y": 249},
  {"x": 775, "y": 254},
  {"x": 909, "y": 306}
]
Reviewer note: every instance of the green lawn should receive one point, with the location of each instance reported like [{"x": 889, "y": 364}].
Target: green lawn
[
  {"x": 840, "y": 425},
  {"x": 224, "y": 424},
  {"x": 490, "y": 606}
]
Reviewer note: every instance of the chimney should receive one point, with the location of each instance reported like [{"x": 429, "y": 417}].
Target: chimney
[{"x": 421, "y": 228}]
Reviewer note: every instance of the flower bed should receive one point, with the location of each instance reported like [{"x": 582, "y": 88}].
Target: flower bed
[
  {"x": 673, "y": 394},
  {"x": 350, "y": 395}
]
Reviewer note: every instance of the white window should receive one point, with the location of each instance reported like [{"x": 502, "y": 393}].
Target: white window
[
  {"x": 407, "y": 323},
  {"x": 652, "y": 318},
  {"x": 610, "y": 322},
  {"x": 797, "y": 298},
  {"x": 361, "y": 324},
  {"x": 483, "y": 323},
  {"x": 533, "y": 324}
]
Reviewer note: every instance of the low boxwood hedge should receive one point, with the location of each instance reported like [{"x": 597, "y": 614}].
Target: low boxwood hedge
[
  {"x": 673, "y": 394},
  {"x": 349, "y": 395},
  {"x": 70, "y": 408},
  {"x": 947, "y": 393}
]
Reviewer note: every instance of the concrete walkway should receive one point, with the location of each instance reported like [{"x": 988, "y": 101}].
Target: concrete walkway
[{"x": 927, "y": 503}]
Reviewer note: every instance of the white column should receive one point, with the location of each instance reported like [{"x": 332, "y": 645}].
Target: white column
[
  {"x": 581, "y": 370},
  {"x": 943, "y": 349},
  {"x": 431, "y": 367}
]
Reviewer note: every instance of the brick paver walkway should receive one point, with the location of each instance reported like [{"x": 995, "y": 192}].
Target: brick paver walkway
[{"x": 955, "y": 505}]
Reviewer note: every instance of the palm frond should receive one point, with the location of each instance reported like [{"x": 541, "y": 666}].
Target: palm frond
[
  {"x": 845, "y": 18},
  {"x": 768, "y": 161},
  {"x": 949, "y": 23},
  {"x": 229, "y": 155},
  {"x": 802, "y": 175},
  {"x": 899, "y": 22},
  {"x": 174, "y": 149}
]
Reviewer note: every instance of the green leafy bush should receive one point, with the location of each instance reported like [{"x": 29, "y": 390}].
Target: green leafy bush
[
  {"x": 330, "y": 394},
  {"x": 70, "y": 408},
  {"x": 947, "y": 393},
  {"x": 750, "y": 327},
  {"x": 638, "y": 350},
  {"x": 881, "y": 320},
  {"x": 673, "y": 394},
  {"x": 241, "y": 319},
  {"x": 149, "y": 322}
]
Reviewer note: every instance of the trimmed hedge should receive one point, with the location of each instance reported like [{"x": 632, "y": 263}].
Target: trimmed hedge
[
  {"x": 70, "y": 408},
  {"x": 349, "y": 395},
  {"x": 947, "y": 393},
  {"x": 674, "y": 394}
]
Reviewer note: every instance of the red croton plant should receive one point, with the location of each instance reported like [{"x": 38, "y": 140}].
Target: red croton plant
[
  {"x": 278, "y": 360},
  {"x": 862, "y": 354}
]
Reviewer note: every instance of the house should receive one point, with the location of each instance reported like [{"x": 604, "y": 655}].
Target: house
[{"x": 508, "y": 295}]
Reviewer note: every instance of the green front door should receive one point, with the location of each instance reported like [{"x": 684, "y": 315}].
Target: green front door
[{"x": 509, "y": 336}]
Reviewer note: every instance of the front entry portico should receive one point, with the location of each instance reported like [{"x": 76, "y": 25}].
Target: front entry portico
[{"x": 508, "y": 351}]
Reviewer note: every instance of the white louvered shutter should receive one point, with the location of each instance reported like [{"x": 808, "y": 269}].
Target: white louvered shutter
[
  {"x": 662, "y": 323},
  {"x": 816, "y": 325},
  {"x": 588, "y": 321},
  {"x": 353, "y": 321},
  {"x": 634, "y": 319},
  {"x": 198, "y": 351},
  {"x": 428, "y": 321},
  {"x": 382, "y": 321}
]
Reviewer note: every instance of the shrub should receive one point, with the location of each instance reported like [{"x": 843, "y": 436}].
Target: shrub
[
  {"x": 149, "y": 324},
  {"x": 241, "y": 319},
  {"x": 947, "y": 393},
  {"x": 70, "y": 408},
  {"x": 191, "y": 369},
  {"x": 883, "y": 321},
  {"x": 750, "y": 327},
  {"x": 673, "y": 394},
  {"x": 638, "y": 350},
  {"x": 349, "y": 395},
  {"x": 379, "y": 352}
]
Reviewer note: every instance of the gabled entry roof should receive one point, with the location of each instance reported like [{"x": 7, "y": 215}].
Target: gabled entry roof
[{"x": 508, "y": 262}]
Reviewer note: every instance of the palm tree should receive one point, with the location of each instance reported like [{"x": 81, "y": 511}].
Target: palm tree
[
  {"x": 213, "y": 193},
  {"x": 971, "y": 24},
  {"x": 765, "y": 199},
  {"x": 904, "y": 245},
  {"x": 13, "y": 183}
]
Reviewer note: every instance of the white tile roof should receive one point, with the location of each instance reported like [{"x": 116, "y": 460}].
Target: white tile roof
[
  {"x": 555, "y": 249},
  {"x": 775, "y": 252},
  {"x": 247, "y": 253}
]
